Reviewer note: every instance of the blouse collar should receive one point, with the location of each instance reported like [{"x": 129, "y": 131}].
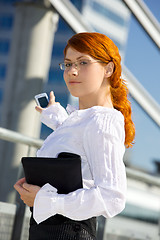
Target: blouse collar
[{"x": 71, "y": 109}]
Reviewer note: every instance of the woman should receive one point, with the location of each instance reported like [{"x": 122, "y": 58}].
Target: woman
[{"x": 98, "y": 131}]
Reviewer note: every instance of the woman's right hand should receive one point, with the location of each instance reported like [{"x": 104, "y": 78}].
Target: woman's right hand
[{"x": 51, "y": 102}]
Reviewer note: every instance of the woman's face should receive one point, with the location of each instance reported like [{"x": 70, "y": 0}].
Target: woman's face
[{"x": 84, "y": 75}]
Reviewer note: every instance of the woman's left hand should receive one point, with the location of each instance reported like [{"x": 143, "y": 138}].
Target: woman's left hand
[{"x": 27, "y": 191}]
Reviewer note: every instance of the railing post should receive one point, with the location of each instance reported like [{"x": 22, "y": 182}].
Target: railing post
[
  {"x": 19, "y": 217},
  {"x": 101, "y": 227},
  {"x": 20, "y": 212},
  {"x": 20, "y": 209}
]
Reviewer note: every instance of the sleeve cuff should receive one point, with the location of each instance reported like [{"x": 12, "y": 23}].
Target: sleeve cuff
[
  {"x": 53, "y": 116},
  {"x": 45, "y": 203}
]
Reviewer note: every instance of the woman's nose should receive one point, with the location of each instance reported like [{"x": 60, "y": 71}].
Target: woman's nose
[{"x": 73, "y": 70}]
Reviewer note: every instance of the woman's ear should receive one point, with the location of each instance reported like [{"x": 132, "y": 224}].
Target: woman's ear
[{"x": 109, "y": 69}]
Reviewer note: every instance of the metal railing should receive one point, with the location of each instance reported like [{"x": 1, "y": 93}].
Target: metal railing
[
  {"x": 142, "y": 96},
  {"x": 12, "y": 136},
  {"x": 145, "y": 18},
  {"x": 15, "y": 137}
]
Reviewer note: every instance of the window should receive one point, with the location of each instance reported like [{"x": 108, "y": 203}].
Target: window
[
  {"x": 8, "y": 1},
  {"x": 78, "y": 4},
  {"x": 107, "y": 13},
  {"x": 4, "y": 46},
  {"x": 1, "y": 95},
  {"x": 55, "y": 76},
  {"x": 6, "y": 22},
  {"x": 118, "y": 44},
  {"x": 2, "y": 71},
  {"x": 57, "y": 50}
]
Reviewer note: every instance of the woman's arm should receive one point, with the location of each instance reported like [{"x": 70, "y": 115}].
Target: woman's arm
[
  {"x": 54, "y": 115},
  {"x": 104, "y": 147}
]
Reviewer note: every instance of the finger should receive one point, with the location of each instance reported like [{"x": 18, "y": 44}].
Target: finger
[
  {"x": 18, "y": 185},
  {"x": 52, "y": 98},
  {"x": 39, "y": 109},
  {"x": 51, "y": 94},
  {"x": 20, "y": 189},
  {"x": 30, "y": 187},
  {"x": 20, "y": 181},
  {"x": 27, "y": 186}
]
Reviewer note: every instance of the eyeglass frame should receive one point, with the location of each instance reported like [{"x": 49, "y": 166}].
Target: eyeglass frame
[{"x": 76, "y": 66}]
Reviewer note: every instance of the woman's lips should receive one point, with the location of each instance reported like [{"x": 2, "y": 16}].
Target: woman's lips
[{"x": 74, "y": 82}]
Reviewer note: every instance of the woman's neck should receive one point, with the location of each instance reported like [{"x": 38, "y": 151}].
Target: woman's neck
[{"x": 103, "y": 102}]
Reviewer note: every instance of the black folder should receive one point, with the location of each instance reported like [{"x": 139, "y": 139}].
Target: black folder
[{"x": 63, "y": 172}]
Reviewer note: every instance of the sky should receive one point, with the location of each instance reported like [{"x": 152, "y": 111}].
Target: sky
[{"x": 143, "y": 60}]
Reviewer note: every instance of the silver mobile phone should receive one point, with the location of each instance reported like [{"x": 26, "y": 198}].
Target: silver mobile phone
[{"x": 42, "y": 100}]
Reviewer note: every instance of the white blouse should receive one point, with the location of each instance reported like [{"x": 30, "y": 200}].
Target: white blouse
[{"x": 97, "y": 135}]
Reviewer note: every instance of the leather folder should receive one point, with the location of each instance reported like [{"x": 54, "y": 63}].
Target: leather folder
[{"x": 63, "y": 172}]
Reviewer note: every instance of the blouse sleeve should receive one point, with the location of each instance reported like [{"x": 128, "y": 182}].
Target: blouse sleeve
[
  {"x": 54, "y": 116},
  {"x": 104, "y": 148}
]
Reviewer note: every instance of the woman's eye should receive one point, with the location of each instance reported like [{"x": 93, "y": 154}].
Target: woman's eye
[
  {"x": 68, "y": 65},
  {"x": 83, "y": 62}
]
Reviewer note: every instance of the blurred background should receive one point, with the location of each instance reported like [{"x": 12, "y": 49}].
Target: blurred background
[{"x": 33, "y": 35}]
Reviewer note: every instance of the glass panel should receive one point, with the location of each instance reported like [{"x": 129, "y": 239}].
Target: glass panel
[
  {"x": 4, "y": 46},
  {"x": 9, "y": 1},
  {"x": 143, "y": 60},
  {"x": 99, "y": 8},
  {"x": 2, "y": 71},
  {"x": 1, "y": 95},
  {"x": 6, "y": 22}
]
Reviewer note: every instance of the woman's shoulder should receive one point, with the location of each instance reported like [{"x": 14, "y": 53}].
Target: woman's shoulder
[
  {"x": 106, "y": 121},
  {"x": 98, "y": 117},
  {"x": 104, "y": 114}
]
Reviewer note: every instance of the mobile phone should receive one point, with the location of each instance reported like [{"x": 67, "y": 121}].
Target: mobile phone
[{"x": 42, "y": 100}]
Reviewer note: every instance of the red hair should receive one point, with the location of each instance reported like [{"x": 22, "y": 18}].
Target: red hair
[{"x": 100, "y": 47}]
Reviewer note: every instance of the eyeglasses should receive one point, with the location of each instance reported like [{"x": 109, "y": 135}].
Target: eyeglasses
[{"x": 80, "y": 64}]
